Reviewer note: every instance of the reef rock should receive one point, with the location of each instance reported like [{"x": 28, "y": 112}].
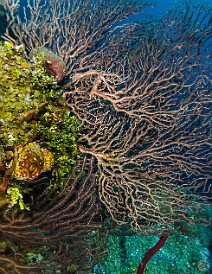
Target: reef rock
[{"x": 53, "y": 64}]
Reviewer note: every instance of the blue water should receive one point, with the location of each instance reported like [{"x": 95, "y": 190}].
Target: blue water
[
  {"x": 159, "y": 8},
  {"x": 163, "y": 6}
]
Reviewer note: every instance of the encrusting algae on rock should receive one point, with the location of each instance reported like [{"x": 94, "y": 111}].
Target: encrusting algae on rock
[
  {"x": 37, "y": 132},
  {"x": 32, "y": 161}
]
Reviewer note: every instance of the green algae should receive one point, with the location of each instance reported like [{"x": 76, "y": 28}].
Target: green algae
[{"x": 32, "y": 111}]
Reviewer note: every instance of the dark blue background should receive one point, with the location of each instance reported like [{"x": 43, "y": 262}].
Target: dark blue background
[{"x": 162, "y": 6}]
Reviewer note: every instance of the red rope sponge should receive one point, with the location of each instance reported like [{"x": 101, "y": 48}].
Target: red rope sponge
[{"x": 152, "y": 251}]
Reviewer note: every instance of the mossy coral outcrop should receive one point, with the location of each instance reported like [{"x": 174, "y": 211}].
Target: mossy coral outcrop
[{"x": 37, "y": 132}]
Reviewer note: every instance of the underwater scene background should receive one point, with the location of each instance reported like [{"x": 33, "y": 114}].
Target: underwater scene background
[{"x": 105, "y": 136}]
